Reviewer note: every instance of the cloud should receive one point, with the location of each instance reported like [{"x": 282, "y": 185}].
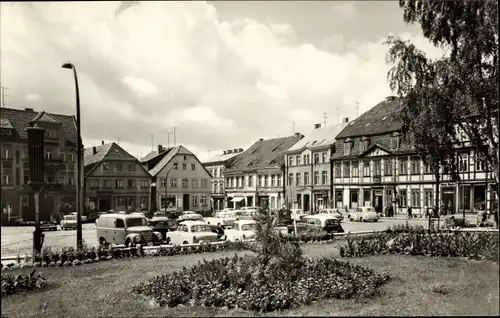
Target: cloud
[{"x": 222, "y": 83}]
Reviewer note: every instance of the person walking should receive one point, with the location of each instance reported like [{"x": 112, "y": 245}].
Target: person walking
[{"x": 409, "y": 212}]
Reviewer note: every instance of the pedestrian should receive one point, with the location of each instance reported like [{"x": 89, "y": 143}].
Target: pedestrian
[
  {"x": 409, "y": 212},
  {"x": 445, "y": 210}
]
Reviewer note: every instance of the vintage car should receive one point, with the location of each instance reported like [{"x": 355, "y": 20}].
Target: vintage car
[
  {"x": 242, "y": 230},
  {"x": 363, "y": 214},
  {"x": 84, "y": 218},
  {"x": 320, "y": 222},
  {"x": 160, "y": 214},
  {"x": 68, "y": 222},
  {"x": 336, "y": 213},
  {"x": 190, "y": 217},
  {"x": 162, "y": 224},
  {"x": 225, "y": 222},
  {"x": 297, "y": 214},
  {"x": 125, "y": 229},
  {"x": 192, "y": 232},
  {"x": 48, "y": 226}
]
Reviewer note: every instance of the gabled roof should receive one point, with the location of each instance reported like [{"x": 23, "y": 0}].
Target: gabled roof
[
  {"x": 90, "y": 158},
  {"x": 264, "y": 154},
  {"x": 151, "y": 155},
  {"x": 169, "y": 154},
  {"x": 20, "y": 119},
  {"x": 373, "y": 147},
  {"x": 221, "y": 158},
  {"x": 320, "y": 137},
  {"x": 378, "y": 120}
]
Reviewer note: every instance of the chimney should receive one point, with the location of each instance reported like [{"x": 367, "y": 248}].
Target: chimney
[
  {"x": 261, "y": 139},
  {"x": 235, "y": 150},
  {"x": 229, "y": 151},
  {"x": 102, "y": 142},
  {"x": 241, "y": 149},
  {"x": 225, "y": 152},
  {"x": 297, "y": 134},
  {"x": 390, "y": 98},
  {"x": 160, "y": 148},
  {"x": 94, "y": 150},
  {"x": 29, "y": 109},
  {"x": 316, "y": 126},
  {"x": 345, "y": 120}
]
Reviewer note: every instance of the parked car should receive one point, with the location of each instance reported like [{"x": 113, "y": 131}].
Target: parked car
[
  {"x": 225, "y": 222},
  {"x": 138, "y": 213},
  {"x": 297, "y": 214},
  {"x": 84, "y": 218},
  {"x": 68, "y": 222},
  {"x": 320, "y": 222},
  {"x": 192, "y": 232},
  {"x": 162, "y": 224},
  {"x": 160, "y": 214},
  {"x": 364, "y": 214},
  {"x": 188, "y": 212},
  {"x": 48, "y": 226},
  {"x": 127, "y": 229},
  {"x": 336, "y": 213},
  {"x": 242, "y": 230},
  {"x": 190, "y": 217}
]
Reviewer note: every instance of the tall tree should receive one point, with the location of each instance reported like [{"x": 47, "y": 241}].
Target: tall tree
[{"x": 457, "y": 94}]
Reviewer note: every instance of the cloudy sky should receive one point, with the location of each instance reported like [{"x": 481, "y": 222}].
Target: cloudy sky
[{"x": 224, "y": 73}]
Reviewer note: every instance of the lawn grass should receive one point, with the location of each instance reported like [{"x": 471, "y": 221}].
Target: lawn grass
[{"x": 418, "y": 286}]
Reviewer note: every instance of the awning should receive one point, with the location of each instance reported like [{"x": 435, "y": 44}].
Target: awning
[{"x": 237, "y": 199}]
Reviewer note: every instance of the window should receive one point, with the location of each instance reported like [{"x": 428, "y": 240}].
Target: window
[
  {"x": 193, "y": 167},
  {"x": 107, "y": 183},
  {"x": 25, "y": 154},
  {"x": 403, "y": 166},
  {"x": 119, "y": 183},
  {"x": 163, "y": 182},
  {"x": 366, "y": 169},
  {"x": 365, "y": 143},
  {"x": 480, "y": 164},
  {"x": 120, "y": 223},
  {"x": 203, "y": 200},
  {"x": 338, "y": 170},
  {"x": 316, "y": 177},
  {"x": 26, "y": 176},
  {"x": 185, "y": 157},
  {"x": 18, "y": 157},
  {"x": 297, "y": 179},
  {"x": 144, "y": 184},
  {"x": 377, "y": 170},
  {"x": 221, "y": 185},
  {"x": 323, "y": 157},
  {"x": 290, "y": 179},
  {"x": 347, "y": 148},
  {"x": 131, "y": 167},
  {"x": 185, "y": 183},
  {"x": 415, "y": 165},
  {"x": 173, "y": 183},
  {"x": 7, "y": 177},
  {"x": 194, "y": 183},
  {"x": 71, "y": 167},
  {"x": 305, "y": 159},
  {"x": 194, "y": 200},
  {"x": 324, "y": 177},
  {"x": 232, "y": 182},
  {"x": 316, "y": 158},
  {"x": 250, "y": 181},
  {"x": 402, "y": 198},
  {"x": 184, "y": 166},
  {"x": 415, "y": 198},
  {"x": 388, "y": 167},
  {"x": 216, "y": 187},
  {"x": 49, "y": 154},
  {"x": 266, "y": 181},
  {"x": 131, "y": 183},
  {"x": 176, "y": 166},
  {"x": 347, "y": 170},
  {"x": 429, "y": 198},
  {"x": 71, "y": 180},
  {"x": 278, "y": 180},
  {"x": 462, "y": 163},
  {"x": 204, "y": 183},
  {"x": 355, "y": 169},
  {"x": 290, "y": 161},
  {"x": 297, "y": 158},
  {"x": 70, "y": 157},
  {"x": 306, "y": 178},
  {"x": 94, "y": 183},
  {"x": 119, "y": 166},
  {"x": 105, "y": 166},
  {"x": 273, "y": 180},
  {"x": 395, "y": 142}
]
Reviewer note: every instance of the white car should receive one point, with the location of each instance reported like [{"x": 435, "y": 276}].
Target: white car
[
  {"x": 298, "y": 214},
  {"x": 363, "y": 214},
  {"x": 84, "y": 218},
  {"x": 190, "y": 217},
  {"x": 188, "y": 212},
  {"x": 241, "y": 230},
  {"x": 334, "y": 213},
  {"x": 191, "y": 232},
  {"x": 68, "y": 222},
  {"x": 138, "y": 214},
  {"x": 225, "y": 222}
]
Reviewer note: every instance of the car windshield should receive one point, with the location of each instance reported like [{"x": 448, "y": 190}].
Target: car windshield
[
  {"x": 136, "y": 222},
  {"x": 200, "y": 228},
  {"x": 331, "y": 222},
  {"x": 370, "y": 210},
  {"x": 69, "y": 218},
  {"x": 249, "y": 227}
]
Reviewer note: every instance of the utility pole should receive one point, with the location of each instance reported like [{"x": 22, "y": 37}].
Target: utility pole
[
  {"x": 324, "y": 119},
  {"x": 3, "y": 94},
  {"x": 357, "y": 109},
  {"x": 175, "y": 128},
  {"x": 152, "y": 141},
  {"x": 293, "y": 127},
  {"x": 168, "y": 139}
]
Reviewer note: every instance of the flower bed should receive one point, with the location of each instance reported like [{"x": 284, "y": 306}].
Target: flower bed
[
  {"x": 251, "y": 284},
  {"x": 19, "y": 283}
]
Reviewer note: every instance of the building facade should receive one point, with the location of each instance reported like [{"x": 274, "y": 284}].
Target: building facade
[
  {"x": 373, "y": 166},
  {"x": 114, "y": 180},
  {"x": 59, "y": 164},
  {"x": 308, "y": 168},
  {"x": 256, "y": 177},
  {"x": 182, "y": 182},
  {"x": 216, "y": 166}
]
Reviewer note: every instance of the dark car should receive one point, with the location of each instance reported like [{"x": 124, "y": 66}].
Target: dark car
[
  {"x": 317, "y": 222},
  {"x": 163, "y": 225},
  {"x": 48, "y": 226}
]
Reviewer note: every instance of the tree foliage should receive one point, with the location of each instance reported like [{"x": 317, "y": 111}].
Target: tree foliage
[{"x": 456, "y": 94}]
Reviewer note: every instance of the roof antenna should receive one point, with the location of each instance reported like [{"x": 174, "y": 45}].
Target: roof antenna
[
  {"x": 324, "y": 119},
  {"x": 357, "y": 109},
  {"x": 293, "y": 127},
  {"x": 338, "y": 116},
  {"x": 117, "y": 139}
]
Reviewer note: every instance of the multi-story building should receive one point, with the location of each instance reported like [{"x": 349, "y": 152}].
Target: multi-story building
[
  {"x": 182, "y": 182},
  {"x": 373, "y": 166},
  {"x": 255, "y": 178},
  {"x": 216, "y": 166},
  {"x": 308, "y": 168},
  {"x": 114, "y": 180},
  {"x": 59, "y": 164}
]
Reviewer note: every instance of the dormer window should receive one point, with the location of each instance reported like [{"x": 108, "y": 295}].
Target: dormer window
[
  {"x": 365, "y": 143},
  {"x": 347, "y": 147},
  {"x": 395, "y": 140}
]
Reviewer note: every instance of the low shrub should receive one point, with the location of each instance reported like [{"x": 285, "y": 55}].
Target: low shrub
[
  {"x": 15, "y": 284},
  {"x": 248, "y": 283},
  {"x": 415, "y": 242}
]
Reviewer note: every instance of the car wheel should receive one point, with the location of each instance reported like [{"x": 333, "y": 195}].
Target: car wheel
[
  {"x": 376, "y": 220},
  {"x": 351, "y": 219},
  {"x": 127, "y": 243},
  {"x": 103, "y": 242}
]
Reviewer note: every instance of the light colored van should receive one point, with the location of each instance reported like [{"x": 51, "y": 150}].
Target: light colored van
[{"x": 125, "y": 229}]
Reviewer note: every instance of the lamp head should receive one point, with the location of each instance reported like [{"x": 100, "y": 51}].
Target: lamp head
[{"x": 68, "y": 66}]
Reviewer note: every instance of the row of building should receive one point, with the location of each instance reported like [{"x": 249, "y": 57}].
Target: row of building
[{"x": 364, "y": 162}]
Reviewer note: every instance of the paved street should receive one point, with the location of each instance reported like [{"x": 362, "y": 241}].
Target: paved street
[{"x": 19, "y": 239}]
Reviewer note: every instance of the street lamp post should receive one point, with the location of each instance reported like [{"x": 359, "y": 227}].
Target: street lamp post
[{"x": 79, "y": 155}]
